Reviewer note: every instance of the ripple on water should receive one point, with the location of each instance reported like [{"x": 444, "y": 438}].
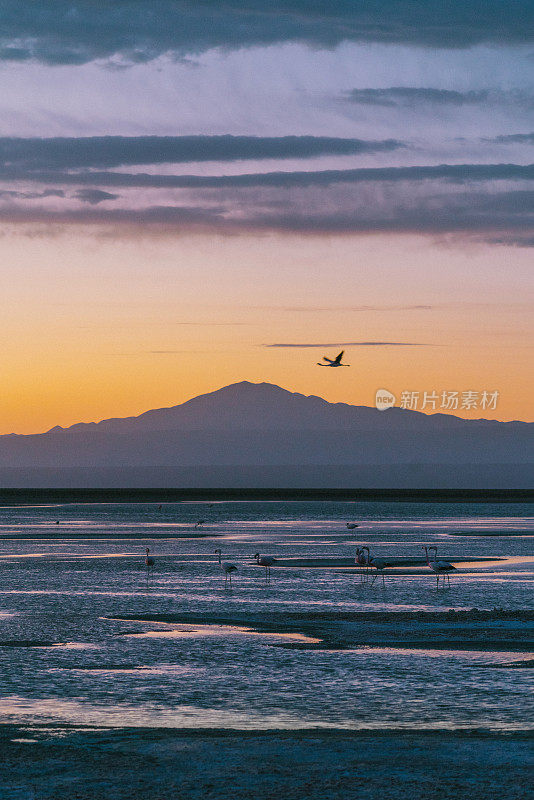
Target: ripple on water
[{"x": 66, "y": 659}]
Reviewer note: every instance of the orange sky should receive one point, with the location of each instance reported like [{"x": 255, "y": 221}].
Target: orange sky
[{"x": 98, "y": 326}]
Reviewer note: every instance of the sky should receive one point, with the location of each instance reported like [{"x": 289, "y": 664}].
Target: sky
[{"x": 194, "y": 194}]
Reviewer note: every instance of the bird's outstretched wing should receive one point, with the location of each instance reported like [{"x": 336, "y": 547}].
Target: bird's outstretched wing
[{"x": 338, "y": 358}]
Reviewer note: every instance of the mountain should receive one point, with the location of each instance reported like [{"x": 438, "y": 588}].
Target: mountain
[{"x": 261, "y": 432}]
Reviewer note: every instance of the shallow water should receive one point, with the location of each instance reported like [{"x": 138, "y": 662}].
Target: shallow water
[{"x": 65, "y": 657}]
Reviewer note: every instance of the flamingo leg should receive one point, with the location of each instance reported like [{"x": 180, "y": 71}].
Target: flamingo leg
[{"x": 383, "y": 580}]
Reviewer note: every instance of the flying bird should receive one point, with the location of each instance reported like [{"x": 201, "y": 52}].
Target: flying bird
[
  {"x": 333, "y": 362},
  {"x": 227, "y": 567}
]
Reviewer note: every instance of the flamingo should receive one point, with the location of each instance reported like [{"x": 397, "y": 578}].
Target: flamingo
[
  {"x": 439, "y": 567},
  {"x": 149, "y": 562},
  {"x": 351, "y": 525},
  {"x": 227, "y": 567},
  {"x": 333, "y": 362},
  {"x": 267, "y": 562},
  {"x": 199, "y": 524},
  {"x": 379, "y": 564},
  {"x": 362, "y": 560}
]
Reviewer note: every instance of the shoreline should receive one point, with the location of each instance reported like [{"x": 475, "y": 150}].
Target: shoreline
[{"x": 30, "y": 496}]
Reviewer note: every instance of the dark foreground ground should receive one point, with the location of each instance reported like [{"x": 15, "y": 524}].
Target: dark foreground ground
[{"x": 127, "y": 764}]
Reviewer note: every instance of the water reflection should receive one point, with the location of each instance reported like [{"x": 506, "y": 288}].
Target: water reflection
[{"x": 70, "y": 590}]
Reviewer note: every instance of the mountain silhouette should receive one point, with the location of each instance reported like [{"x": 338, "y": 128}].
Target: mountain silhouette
[{"x": 247, "y": 427}]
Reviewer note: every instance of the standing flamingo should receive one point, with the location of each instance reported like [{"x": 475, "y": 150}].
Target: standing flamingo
[
  {"x": 362, "y": 560},
  {"x": 267, "y": 562},
  {"x": 149, "y": 562},
  {"x": 227, "y": 567},
  {"x": 439, "y": 567},
  {"x": 379, "y": 564}
]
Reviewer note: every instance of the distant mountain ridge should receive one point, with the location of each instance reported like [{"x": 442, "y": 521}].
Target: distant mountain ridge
[
  {"x": 266, "y": 405},
  {"x": 250, "y": 427}
]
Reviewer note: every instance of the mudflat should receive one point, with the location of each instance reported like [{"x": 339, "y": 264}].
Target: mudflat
[{"x": 127, "y": 764}]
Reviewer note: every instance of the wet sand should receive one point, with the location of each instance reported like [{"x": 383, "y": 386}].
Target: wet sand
[
  {"x": 481, "y": 630},
  {"x": 127, "y": 764}
]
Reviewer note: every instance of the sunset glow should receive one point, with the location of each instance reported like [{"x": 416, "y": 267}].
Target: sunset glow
[{"x": 367, "y": 192}]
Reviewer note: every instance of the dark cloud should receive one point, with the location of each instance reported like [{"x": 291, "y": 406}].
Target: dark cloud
[
  {"x": 515, "y": 202},
  {"x": 135, "y": 31},
  {"x": 513, "y": 240},
  {"x": 454, "y": 173},
  {"x": 94, "y": 196},
  {"x": 350, "y": 344},
  {"x": 470, "y": 213},
  {"x": 401, "y": 96},
  {"x": 172, "y": 217},
  {"x": 514, "y": 138},
  {"x": 16, "y": 195},
  {"x": 120, "y": 151},
  {"x": 428, "y": 207}
]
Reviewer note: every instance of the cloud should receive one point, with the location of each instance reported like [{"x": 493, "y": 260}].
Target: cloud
[
  {"x": 71, "y": 32},
  {"x": 330, "y": 309},
  {"x": 513, "y": 240},
  {"x": 31, "y": 195},
  {"x": 514, "y": 138},
  {"x": 454, "y": 173},
  {"x": 470, "y": 214},
  {"x": 173, "y": 217},
  {"x": 313, "y": 211},
  {"x": 350, "y": 344},
  {"x": 119, "y": 151},
  {"x": 94, "y": 196},
  {"x": 402, "y": 96}
]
